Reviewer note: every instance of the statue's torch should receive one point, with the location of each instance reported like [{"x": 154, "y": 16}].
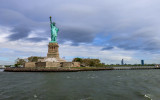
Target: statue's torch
[{"x": 50, "y": 19}]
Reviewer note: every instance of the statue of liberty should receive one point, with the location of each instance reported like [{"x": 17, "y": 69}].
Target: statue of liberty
[{"x": 54, "y": 31}]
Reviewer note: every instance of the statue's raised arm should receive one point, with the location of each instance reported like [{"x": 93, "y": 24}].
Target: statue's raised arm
[{"x": 50, "y": 20}]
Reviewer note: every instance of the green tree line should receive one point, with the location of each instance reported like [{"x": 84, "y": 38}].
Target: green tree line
[
  {"x": 88, "y": 62},
  {"x": 20, "y": 61}
]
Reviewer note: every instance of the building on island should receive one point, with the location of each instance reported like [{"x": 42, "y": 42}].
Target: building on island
[
  {"x": 122, "y": 62},
  {"x": 142, "y": 62}
]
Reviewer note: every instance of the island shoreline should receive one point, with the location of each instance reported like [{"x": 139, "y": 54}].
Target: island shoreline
[{"x": 74, "y": 69}]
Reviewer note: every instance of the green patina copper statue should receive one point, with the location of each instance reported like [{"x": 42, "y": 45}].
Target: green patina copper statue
[{"x": 54, "y": 31}]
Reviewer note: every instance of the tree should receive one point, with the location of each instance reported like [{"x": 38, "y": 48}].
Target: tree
[
  {"x": 19, "y": 62},
  {"x": 34, "y": 58},
  {"x": 77, "y": 60},
  {"x": 88, "y": 62}
]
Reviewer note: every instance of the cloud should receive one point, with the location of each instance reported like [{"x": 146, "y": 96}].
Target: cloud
[
  {"x": 76, "y": 35},
  {"x": 18, "y": 49},
  {"x": 127, "y": 25},
  {"x": 19, "y": 33},
  {"x": 36, "y": 39},
  {"x": 107, "y": 48},
  {"x": 21, "y": 26}
]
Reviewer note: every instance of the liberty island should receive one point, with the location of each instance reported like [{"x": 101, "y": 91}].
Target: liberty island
[{"x": 53, "y": 60}]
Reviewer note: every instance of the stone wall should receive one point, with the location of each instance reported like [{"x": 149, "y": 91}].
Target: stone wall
[
  {"x": 76, "y": 64},
  {"x": 29, "y": 64},
  {"x": 70, "y": 64},
  {"x": 67, "y": 64},
  {"x": 41, "y": 64},
  {"x": 53, "y": 64}
]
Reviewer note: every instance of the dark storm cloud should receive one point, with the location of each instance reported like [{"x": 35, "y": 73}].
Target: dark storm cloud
[
  {"x": 136, "y": 42},
  {"x": 76, "y": 35},
  {"x": 36, "y": 39},
  {"x": 21, "y": 25},
  {"x": 107, "y": 48},
  {"x": 19, "y": 33}
]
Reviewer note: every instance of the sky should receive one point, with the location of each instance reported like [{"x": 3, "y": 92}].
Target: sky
[{"x": 109, "y": 30}]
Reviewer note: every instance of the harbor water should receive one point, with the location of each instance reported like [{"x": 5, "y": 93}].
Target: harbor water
[{"x": 87, "y": 85}]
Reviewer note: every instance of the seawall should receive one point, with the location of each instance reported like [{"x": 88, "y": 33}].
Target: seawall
[
  {"x": 77, "y": 69},
  {"x": 53, "y": 69}
]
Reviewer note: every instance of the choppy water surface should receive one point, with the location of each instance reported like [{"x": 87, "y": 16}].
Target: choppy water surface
[{"x": 92, "y": 85}]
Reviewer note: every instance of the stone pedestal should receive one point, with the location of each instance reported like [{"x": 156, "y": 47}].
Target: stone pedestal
[{"x": 53, "y": 50}]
